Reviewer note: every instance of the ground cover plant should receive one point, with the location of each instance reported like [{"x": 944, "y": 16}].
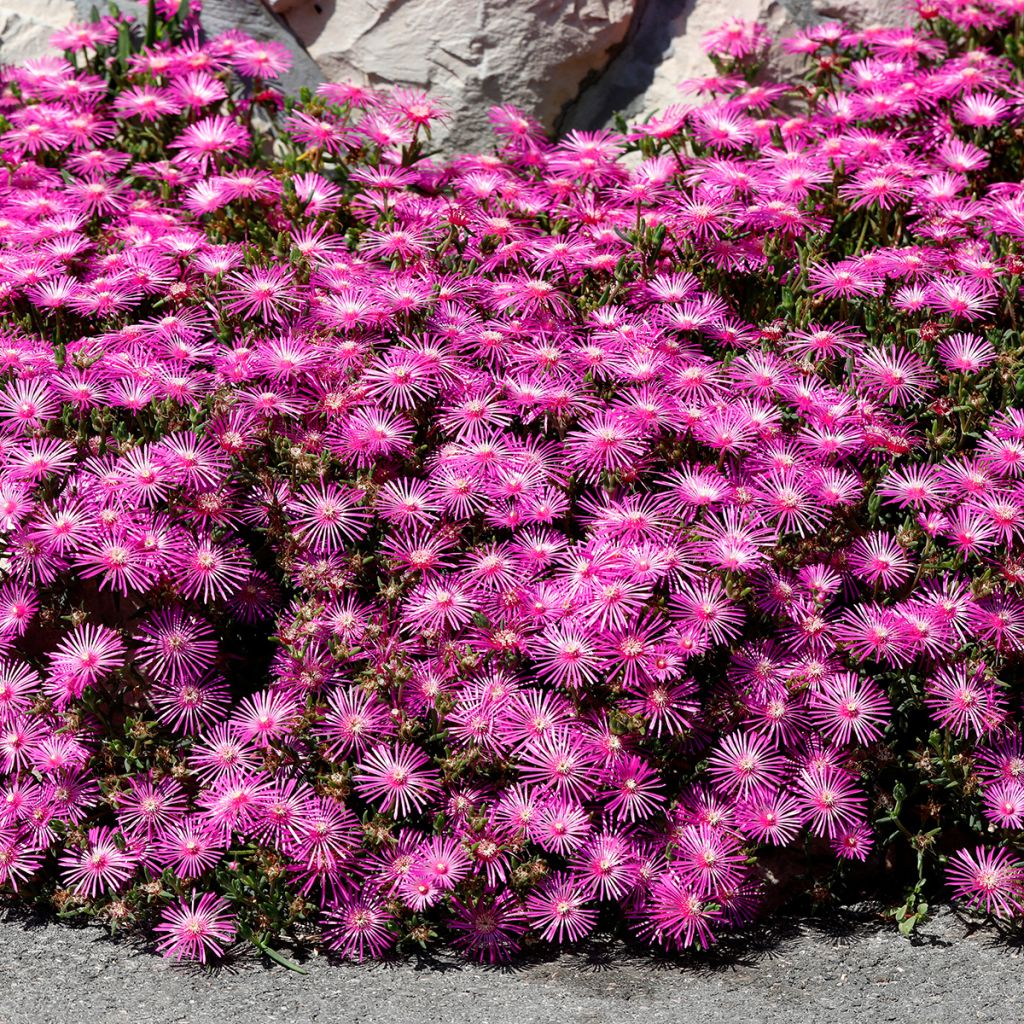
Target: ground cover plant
[{"x": 584, "y": 534}]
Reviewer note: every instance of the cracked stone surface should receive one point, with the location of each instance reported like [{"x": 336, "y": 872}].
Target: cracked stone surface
[
  {"x": 663, "y": 48},
  {"x": 26, "y": 26},
  {"x": 569, "y": 63},
  {"x": 847, "y": 969},
  {"x": 249, "y": 16},
  {"x": 469, "y": 54}
]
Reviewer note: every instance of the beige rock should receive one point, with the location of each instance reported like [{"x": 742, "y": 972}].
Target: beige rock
[
  {"x": 665, "y": 48},
  {"x": 26, "y": 27},
  {"x": 469, "y": 54}
]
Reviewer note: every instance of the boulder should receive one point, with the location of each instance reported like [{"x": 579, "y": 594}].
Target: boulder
[
  {"x": 249, "y": 16},
  {"x": 663, "y": 48},
  {"x": 468, "y": 54},
  {"x": 569, "y": 63},
  {"x": 25, "y": 28}
]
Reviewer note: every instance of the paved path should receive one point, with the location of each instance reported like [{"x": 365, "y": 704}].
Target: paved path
[{"x": 849, "y": 973}]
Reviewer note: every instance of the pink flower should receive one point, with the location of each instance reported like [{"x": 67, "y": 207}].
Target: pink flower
[
  {"x": 490, "y": 927},
  {"x": 102, "y": 866},
  {"x": 87, "y": 654},
  {"x": 196, "y": 929},
  {"x": 559, "y": 909},
  {"x": 989, "y": 880},
  {"x": 746, "y": 764},
  {"x": 358, "y": 928},
  {"x": 396, "y": 778},
  {"x": 850, "y": 708},
  {"x": 676, "y": 916},
  {"x": 211, "y": 138},
  {"x": 965, "y": 701}
]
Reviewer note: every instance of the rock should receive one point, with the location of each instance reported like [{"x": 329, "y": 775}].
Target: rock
[
  {"x": 252, "y": 18},
  {"x": 569, "y": 63},
  {"x": 468, "y": 54},
  {"x": 25, "y": 28},
  {"x": 248, "y": 16},
  {"x": 663, "y": 48}
]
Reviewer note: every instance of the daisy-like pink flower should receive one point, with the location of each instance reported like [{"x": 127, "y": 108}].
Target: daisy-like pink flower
[
  {"x": 396, "y": 778},
  {"x": 560, "y": 826},
  {"x": 328, "y": 515},
  {"x": 175, "y": 646},
  {"x": 353, "y": 721},
  {"x": 444, "y": 861},
  {"x": 965, "y": 701},
  {"x": 853, "y": 843},
  {"x": 266, "y": 292},
  {"x": 961, "y": 297},
  {"x": 606, "y": 862},
  {"x": 490, "y": 927},
  {"x": 676, "y": 916},
  {"x": 736, "y": 37},
  {"x": 603, "y": 443},
  {"x": 190, "y": 705},
  {"x": 359, "y": 927},
  {"x": 786, "y": 500},
  {"x": 896, "y": 375},
  {"x": 633, "y": 790},
  {"x": 770, "y": 818},
  {"x": 966, "y": 353},
  {"x": 321, "y": 842},
  {"x": 878, "y": 559},
  {"x": 189, "y": 847},
  {"x": 560, "y": 909},
  {"x": 441, "y": 604},
  {"x": 208, "y": 569},
  {"x": 266, "y": 717},
  {"x": 211, "y": 139},
  {"x": 708, "y": 859},
  {"x": 1004, "y": 803},
  {"x": 843, "y": 280},
  {"x": 197, "y": 928},
  {"x": 988, "y": 880},
  {"x": 830, "y": 801},
  {"x": 261, "y": 59},
  {"x": 87, "y": 654},
  {"x": 746, "y": 764},
  {"x": 847, "y": 707},
  {"x": 102, "y": 866},
  {"x": 560, "y": 762}
]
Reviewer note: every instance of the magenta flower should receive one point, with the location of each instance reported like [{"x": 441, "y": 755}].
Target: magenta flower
[
  {"x": 211, "y": 138},
  {"x": 745, "y": 764},
  {"x": 676, "y": 916},
  {"x": 396, "y": 778},
  {"x": 102, "y": 866},
  {"x": 204, "y": 568},
  {"x": 87, "y": 654},
  {"x": 559, "y": 909},
  {"x": 830, "y": 801},
  {"x": 989, "y": 880},
  {"x": 176, "y": 646},
  {"x": 850, "y": 708},
  {"x": 964, "y": 701},
  {"x": 196, "y": 929},
  {"x": 358, "y": 928},
  {"x": 477, "y": 546},
  {"x": 489, "y": 928}
]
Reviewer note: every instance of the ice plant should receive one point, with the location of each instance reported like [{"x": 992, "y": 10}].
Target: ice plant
[
  {"x": 396, "y": 551},
  {"x": 196, "y": 929}
]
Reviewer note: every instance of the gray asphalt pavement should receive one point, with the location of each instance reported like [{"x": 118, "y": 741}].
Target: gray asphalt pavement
[{"x": 846, "y": 971}]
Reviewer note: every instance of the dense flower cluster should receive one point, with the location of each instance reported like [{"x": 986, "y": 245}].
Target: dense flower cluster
[{"x": 495, "y": 549}]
